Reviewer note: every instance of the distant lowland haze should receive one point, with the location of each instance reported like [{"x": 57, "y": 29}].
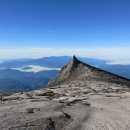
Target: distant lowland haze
[{"x": 39, "y": 28}]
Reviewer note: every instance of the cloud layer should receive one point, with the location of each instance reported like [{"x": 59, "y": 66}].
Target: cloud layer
[
  {"x": 34, "y": 68},
  {"x": 117, "y": 54}
]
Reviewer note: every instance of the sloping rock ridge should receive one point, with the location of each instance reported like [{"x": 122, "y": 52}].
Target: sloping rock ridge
[{"x": 78, "y": 70}]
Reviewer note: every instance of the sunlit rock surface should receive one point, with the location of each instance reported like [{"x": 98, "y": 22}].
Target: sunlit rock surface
[{"x": 82, "y": 97}]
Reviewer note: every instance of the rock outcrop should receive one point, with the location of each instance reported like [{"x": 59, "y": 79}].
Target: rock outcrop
[{"x": 78, "y": 70}]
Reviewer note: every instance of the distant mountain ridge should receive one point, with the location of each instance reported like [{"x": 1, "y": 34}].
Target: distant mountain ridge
[
  {"x": 29, "y": 74},
  {"x": 60, "y": 61}
]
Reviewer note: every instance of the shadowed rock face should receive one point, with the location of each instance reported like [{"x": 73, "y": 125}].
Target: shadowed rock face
[
  {"x": 76, "y": 69},
  {"x": 66, "y": 71}
]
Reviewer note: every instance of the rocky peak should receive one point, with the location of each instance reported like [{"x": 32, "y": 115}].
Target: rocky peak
[
  {"x": 66, "y": 71},
  {"x": 76, "y": 69},
  {"x": 73, "y": 63},
  {"x": 74, "y": 59}
]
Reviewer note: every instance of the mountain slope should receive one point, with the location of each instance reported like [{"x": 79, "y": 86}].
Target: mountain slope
[
  {"x": 82, "y": 97},
  {"x": 76, "y": 70}
]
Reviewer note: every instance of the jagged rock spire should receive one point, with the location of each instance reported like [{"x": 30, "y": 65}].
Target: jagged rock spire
[
  {"x": 73, "y": 63},
  {"x": 74, "y": 57},
  {"x": 66, "y": 71}
]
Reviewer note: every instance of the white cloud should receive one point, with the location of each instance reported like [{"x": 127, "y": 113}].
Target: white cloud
[
  {"x": 119, "y": 62},
  {"x": 34, "y": 68},
  {"x": 112, "y": 53}
]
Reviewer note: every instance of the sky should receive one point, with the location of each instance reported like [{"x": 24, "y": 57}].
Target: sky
[{"x": 88, "y": 28}]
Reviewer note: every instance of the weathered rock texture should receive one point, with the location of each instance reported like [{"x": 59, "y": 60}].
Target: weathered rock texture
[
  {"x": 82, "y": 97},
  {"x": 76, "y": 70}
]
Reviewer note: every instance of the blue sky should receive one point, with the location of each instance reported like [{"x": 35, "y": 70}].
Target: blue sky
[{"x": 59, "y": 24}]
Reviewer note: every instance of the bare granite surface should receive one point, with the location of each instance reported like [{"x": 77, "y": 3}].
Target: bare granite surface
[{"x": 80, "y": 98}]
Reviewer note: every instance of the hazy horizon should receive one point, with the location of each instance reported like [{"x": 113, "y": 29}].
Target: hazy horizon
[{"x": 36, "y": 28}]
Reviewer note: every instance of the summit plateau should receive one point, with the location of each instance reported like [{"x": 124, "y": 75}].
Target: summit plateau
[{"x": 81, "y": 97}]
